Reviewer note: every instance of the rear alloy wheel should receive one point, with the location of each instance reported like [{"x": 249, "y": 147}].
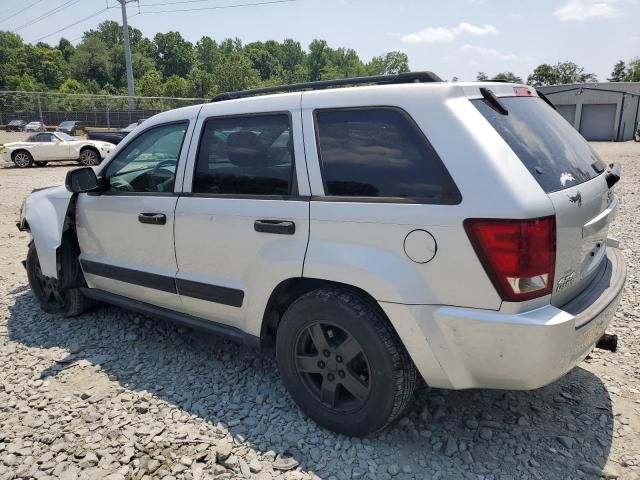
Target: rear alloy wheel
[
  {"x": 22, "y": 159},
  {"x": 89, "y": 158},
  {"x": 342, "y": 362}
]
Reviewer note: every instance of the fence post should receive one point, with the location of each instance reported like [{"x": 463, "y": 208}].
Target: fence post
[
  {"x": 39, "y": 107},
  {"x": 106, "y": 106}
]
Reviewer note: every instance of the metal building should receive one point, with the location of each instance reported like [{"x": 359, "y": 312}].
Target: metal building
[{"x": 600, "y": 111}]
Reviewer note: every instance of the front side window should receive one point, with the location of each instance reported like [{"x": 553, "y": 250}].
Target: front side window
[
  {"x": 250, "y": 155},
  {"x": 148, "y": 163},
  {"x": 379, "y": 152},
  {"x": 46, "y": 137}
]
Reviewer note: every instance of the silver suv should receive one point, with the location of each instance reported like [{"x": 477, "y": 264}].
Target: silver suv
[{"x": 456, "y": 231}]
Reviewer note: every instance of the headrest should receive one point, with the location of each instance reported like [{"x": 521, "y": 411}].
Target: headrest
[{"x": 243, "y": 148}]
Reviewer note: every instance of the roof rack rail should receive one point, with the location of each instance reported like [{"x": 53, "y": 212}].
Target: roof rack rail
[{"x": 410, "y": 77}]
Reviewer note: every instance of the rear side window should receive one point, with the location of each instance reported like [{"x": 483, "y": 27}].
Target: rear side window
[
  {"x": 250, "y": 155},
  {"x": 553, "y": 151},
  {"x": 379, "y": 152}
]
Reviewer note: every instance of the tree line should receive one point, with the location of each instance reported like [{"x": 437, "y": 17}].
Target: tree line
[{"x": 170, "y": 66}]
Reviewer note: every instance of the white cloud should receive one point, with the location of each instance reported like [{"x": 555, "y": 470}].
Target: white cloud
[
  {"x": 488, "y": 52},
  {"x": 448, "y": 34},
  {"x": 579, "y": 10}
]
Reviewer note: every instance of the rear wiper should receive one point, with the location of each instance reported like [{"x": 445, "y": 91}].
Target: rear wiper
[
  {"x": 546, "y": 99},
  {"x": 493, "y": 101}
]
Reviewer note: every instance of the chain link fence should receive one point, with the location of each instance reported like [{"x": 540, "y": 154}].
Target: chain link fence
[{"x": 97, "y": 111}]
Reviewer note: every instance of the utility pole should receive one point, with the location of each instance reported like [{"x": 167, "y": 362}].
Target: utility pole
[{"x": 127, "y": 55}]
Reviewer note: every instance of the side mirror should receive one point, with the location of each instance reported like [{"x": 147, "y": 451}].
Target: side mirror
[{"x": 81, "y": 180}]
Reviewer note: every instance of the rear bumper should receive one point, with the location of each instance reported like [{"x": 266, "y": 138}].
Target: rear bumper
[{"x": 464, "y": 348}]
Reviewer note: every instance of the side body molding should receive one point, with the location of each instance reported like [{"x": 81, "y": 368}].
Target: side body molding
[{"x": 45, "y": 212}]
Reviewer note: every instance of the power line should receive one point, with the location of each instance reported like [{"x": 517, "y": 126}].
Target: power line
[
  {"x": 171, "y": 3},
  {"x": 67, "y": 4},
  {"x": 20, "y": 11},
  {"x": 72, "y": 24},
  {"x": 219, "y": 7}
]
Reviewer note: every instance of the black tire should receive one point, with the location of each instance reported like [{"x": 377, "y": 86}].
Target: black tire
[
  {"x": 51, "y": 298},
  {"x": 22, "y": 159},
  {"x": 41, "y": 164},
  {"x": 89, "y": 157},
  {"x": 381, "y": 367}
]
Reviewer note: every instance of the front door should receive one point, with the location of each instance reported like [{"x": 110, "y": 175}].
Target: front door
[
  {"x": 244, "y": 226},
  {"x": 126, "y": 231},
  {"x": 49, "y": 147}
]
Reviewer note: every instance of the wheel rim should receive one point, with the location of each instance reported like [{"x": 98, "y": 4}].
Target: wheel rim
[
  {"x": 22, "y": 159},
  {"x": 49, "y": 289},
  {"x": 333, "y": 367},
  {"x": 88, "y": 157}
]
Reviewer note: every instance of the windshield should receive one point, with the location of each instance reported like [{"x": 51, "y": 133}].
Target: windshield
[
  {"x": 65, "y": 137},
  {"x": 66, "y": 125},
  {"x": 553, "y": 151},
  {"x": 130, "y": 127}
]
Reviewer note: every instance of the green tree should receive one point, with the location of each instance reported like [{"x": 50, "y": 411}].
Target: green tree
[
  {"x": 207, "y": 54},
  {"x": 235, "y": 73},
  {"x": 24, "y": 83},
  {"x": 507, "y": 77},
  {"x": 48, "y": 66},
  {"x": 66, "y": 48},
  {"x": 266, "y": 63},
  {"x": 619, "y": 72},
  {"x": 482, "y": 77},
  {"x": 150, "y": 85},
  {"x": 174, "y": 54},
  {"x": 11, "y": 65},
  {"x": 175, "y": 86},
  {"x": 317, "y": 59},
  {"x": 633, "y": 71},
  {"x": 543, "y": 75},
  {"x": 391, "y": 63},
  {"x": 90, "y": 62},
  {"x": 290, "y": 56},
  {"x": 200, "y": 84}
]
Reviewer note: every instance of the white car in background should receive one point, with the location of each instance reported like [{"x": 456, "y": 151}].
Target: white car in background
[
  {"x": 35, "y": 127},
  {"x": 46, "y": 147}
]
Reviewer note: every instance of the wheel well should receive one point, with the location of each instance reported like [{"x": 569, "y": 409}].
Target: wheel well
[
  {"x": 89, "y": 147},
  {"x": 287, "y": 292},
  {"x": 13, "y": 154}
]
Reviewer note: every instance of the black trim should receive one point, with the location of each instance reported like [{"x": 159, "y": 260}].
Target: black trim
[
  {"x": 455, "y": 200},
  {"x": 144, "y": 279},
  {"x": 291, "y": 198},
  {"x": 211, "y": 293},
  {"x": 202, "y": 291},
  {"x": 197, "y": 323}
]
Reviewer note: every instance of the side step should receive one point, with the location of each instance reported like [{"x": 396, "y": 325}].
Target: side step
[{"x": 232, "y": 333}]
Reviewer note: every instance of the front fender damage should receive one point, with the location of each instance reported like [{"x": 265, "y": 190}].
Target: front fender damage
[{"x": 46, "y": 212}]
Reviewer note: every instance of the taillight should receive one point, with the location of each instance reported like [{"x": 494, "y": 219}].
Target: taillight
[{"x": 519, "y": 256}]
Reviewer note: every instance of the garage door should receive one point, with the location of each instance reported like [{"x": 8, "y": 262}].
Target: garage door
[
  {"x": 597, "y": 122},
  {"x": 568, "y": 112}
]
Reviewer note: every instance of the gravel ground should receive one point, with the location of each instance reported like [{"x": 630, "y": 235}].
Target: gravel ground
[{"x": 116, "y": 395}]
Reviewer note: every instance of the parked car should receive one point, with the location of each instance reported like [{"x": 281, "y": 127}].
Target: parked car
[
  {"x": 35, "y": 127},
  {"x": 16, "y": 126},
  {"x": 46, "y": 147},
  {"x": 71, "y": 127},
  {"x": 113, "y": 136},
  {"x": 458, "y": 231}
]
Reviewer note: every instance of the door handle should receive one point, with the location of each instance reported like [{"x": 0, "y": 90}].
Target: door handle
[
  {"x": 152, "y": 218},
  {"x": 282, "y": 227}
]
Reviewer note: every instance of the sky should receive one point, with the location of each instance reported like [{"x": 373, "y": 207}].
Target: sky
[{"x": 453, "y": 38}]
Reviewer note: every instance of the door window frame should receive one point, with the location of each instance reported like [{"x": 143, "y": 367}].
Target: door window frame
[
  {"x": 181, "y": 159},
  {"x": 293, "y": 174}
]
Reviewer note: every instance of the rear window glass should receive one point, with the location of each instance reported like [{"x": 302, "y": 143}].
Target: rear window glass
[
  {"x": 379, "y": 152},
  {"x": 553, "y": 151}
]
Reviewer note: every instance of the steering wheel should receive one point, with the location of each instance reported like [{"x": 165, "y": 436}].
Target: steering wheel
[
  {"x": 163, "y": 164},
  {"x": 121, "y": 186}
]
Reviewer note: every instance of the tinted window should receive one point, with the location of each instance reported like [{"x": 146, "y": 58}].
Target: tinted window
[
  {"x": 245, "y": 156},
  {"x": 552, "y": 150},
  {"x": 148, "y": 163},
  {"x": 45, "y": 137},
  {"x": 379, "y": 152}
]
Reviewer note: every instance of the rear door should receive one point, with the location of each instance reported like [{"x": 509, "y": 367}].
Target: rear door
[
  {"x": 242, "y": 223},
  {"x": 571, "y": 173}
]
